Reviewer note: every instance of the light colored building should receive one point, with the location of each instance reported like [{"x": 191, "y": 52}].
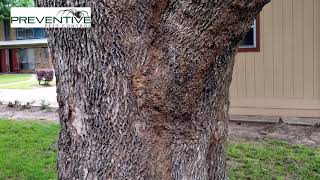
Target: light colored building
[
  {"x": 23, "y": 49},
  {"x": 281, "y": 75}
]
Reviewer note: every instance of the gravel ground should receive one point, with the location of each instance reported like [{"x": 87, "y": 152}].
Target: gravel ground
[{"x": 38, "y": 96}]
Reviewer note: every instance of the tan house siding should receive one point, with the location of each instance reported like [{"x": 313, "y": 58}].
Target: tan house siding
[
  {"x": 1, "y": 31},
  {"x": 12, "y": 34},
  {"x": 283, "y": 78}
]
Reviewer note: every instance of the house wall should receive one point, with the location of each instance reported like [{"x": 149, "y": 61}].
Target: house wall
[
  {"x": 12, "y": 34},
  {"x": 43, "y": 61},
  {"x": 283, "y": 79},
  {"x": 26, "y": 58},
  {"x": 1, "y": 31},
  {"x": 34, "y": 58}
]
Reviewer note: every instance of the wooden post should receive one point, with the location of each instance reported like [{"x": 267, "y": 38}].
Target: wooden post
[
  {"x": 3, "y": 63},
  {"x": 14, "y": 61}
]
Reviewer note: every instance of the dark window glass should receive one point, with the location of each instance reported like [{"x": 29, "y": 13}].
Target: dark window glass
[
  {"x": 248, "y": 40},
  {"x": 25, "y": 33},
  {"x": 29, "y": 33},
  {"x": 38, "y": 33}
]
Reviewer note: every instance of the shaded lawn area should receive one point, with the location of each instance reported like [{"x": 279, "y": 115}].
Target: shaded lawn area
[
  {"x": 27, "y": 151},
  {"x": 10, "y": 78}
]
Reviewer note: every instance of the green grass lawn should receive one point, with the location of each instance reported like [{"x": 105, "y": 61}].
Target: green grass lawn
[
  {"x": 21, "y": 85},
  {"x": 272, "y": 160},
  {"x": 27, "y": 152},
  {"x": 25, "y": 85},
  {"x": 9, "y": 78},
  {"x": 20, "y": 81}
]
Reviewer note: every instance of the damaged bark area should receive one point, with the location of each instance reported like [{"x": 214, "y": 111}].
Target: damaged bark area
[{"x": 144, "y": 93}]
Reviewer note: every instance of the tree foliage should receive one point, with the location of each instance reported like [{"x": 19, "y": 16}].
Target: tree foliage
[{"x": 5, "y": 6}]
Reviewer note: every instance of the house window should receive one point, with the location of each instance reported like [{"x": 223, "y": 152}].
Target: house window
[
  {"x": 251, "y": 42},
  {"x": 26, "y": 58},
  {"x": 25, "y": 33},
  {"x": 30, "y": 33},
  {"x": 39, "y": 33}
]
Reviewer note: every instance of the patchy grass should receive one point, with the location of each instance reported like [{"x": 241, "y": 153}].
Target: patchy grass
[
  {"x": 10, "y": 78},
  {"x": 21, "y": 85},
  {"x": 272, "y": 160},
  {"x": 27, "y": 152}
]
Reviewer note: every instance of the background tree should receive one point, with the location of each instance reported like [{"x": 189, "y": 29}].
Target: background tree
[
  {"x": 144, "y": 93},
  {"x": 5, "y": 6}
]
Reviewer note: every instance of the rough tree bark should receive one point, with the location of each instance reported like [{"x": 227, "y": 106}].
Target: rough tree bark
[{"x": 143, "y": 94}]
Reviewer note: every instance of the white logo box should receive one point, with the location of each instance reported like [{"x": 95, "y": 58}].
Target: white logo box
[{"x": 50, "y": 17}]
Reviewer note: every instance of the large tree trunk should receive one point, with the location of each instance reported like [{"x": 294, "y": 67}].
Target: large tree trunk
[{"x": 143, "y": 94}]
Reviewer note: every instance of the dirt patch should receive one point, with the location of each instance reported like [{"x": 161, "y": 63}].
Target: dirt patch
[
  {"x": 32, "y": 113},
  {"x": 295, "y": 134},
  {"x": 305, "y": 135}
]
